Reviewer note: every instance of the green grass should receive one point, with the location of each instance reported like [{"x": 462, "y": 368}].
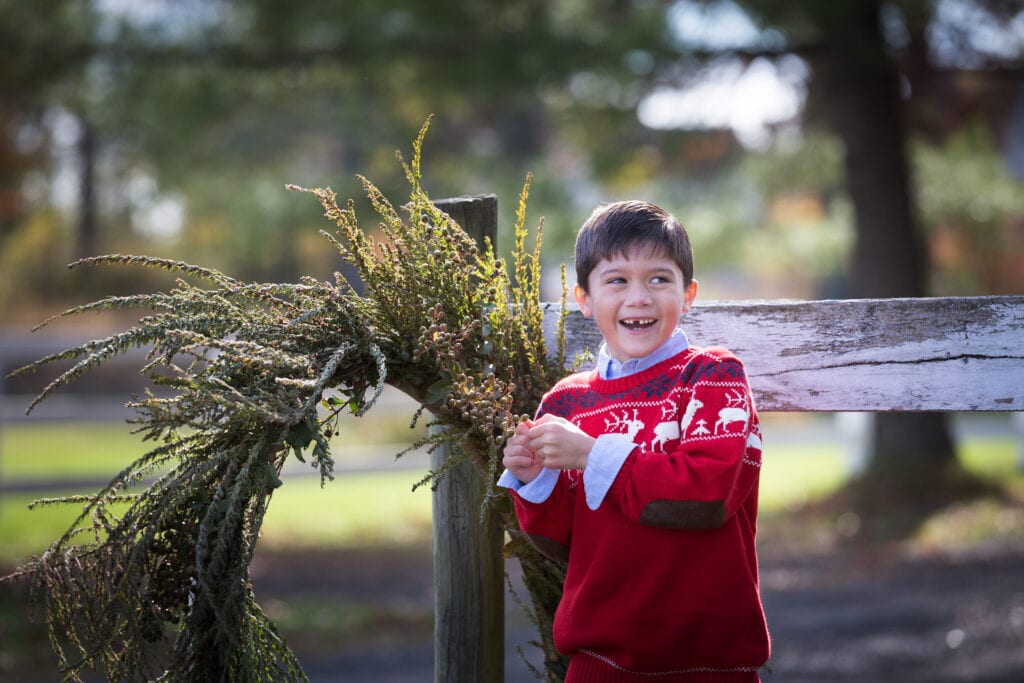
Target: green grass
[
  {"x": 27, "y": 532},
  {"x": 992, "y": 457},
  {"x": 377, "y": 508},
  {"x": 797, "y": 473},
  {"x": 367, "y": 508},
  {"x": 38, "y": 450},
  {"x": 67, "y": 449},
  {"x": 355, "y": 509},
  {"x": 794, "y": 474}
]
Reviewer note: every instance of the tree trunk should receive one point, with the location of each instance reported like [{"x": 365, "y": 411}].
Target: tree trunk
[
  {"x": 87, "y": 240},
  {"x": 861, "y": 86}
]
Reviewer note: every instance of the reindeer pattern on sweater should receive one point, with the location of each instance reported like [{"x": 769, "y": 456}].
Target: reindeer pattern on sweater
[
  {"x": 706, "y": 398},
  {"x": 662, "y": 576}
]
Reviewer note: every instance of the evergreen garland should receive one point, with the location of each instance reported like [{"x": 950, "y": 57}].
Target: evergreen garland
[{"x": 154, "y": 584}]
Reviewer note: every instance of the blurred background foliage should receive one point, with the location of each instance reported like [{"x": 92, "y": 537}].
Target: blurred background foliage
[
  {"x": 171, "y": 128},
  {"x": 813, "y": 150}
]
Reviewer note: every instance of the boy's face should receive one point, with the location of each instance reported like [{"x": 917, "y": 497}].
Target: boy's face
[{"x": 636, "y": 301}]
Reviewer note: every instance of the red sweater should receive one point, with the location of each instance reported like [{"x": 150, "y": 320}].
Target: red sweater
[{"x": 662, "y": 581}]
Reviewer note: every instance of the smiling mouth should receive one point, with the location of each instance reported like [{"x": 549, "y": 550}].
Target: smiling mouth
[{"x": 636, "y": 324}]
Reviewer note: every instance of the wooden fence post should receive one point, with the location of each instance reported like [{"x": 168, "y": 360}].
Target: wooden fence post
[{"x": 469, "y": 577}]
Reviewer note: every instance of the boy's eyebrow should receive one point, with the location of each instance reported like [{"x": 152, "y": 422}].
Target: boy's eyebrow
[
  {"x": 614, "y": 269},
  {"x": 608, "y": 271}
]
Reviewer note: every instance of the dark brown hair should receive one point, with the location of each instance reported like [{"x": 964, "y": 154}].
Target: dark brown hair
[{"x": 620, "y": 228}]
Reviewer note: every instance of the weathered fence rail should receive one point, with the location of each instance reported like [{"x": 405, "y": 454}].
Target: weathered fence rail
[
  {"x": 881, "y": 355},
  {"x": 945, "y": 354}
]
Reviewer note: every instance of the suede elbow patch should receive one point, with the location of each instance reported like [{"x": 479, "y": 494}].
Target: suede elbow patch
[
  {"x": 684, "y": 514},
  {"x": 550, "y": 548}
]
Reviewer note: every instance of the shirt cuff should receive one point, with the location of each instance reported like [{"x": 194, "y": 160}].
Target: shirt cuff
[
  {"x": 603, "y": 465},
  {"x": 537, "y": 491}
]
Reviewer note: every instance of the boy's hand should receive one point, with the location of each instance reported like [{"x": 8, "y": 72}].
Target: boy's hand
[
  {"x": 559, "y": 444},
  {"x": 519, "y": 458}
]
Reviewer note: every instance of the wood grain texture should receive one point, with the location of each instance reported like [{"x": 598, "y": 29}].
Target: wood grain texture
[
  {"x": 880, "y": 355},
  {"x": 469, "y": 579}
]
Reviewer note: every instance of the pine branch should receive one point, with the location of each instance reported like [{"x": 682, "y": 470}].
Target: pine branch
[
  {"x": 159, "y": 587},
  {"x": 152, "y": 262}
]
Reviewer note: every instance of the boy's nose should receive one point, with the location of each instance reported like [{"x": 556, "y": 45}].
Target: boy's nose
[{"x": 638, "y": 296}]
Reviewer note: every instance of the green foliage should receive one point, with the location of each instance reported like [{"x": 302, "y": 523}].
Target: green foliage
[
  {"x": 161, "y": 587},
  {"x": 32, "y": 253},
  {"x": 33, "y": 256},
  {"x": 971, "y": 206},
  {"x": 41, "y": 43}
]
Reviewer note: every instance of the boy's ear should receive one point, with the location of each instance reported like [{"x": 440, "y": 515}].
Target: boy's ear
[
  {"x": 689, "y": 295},
  {"x": 583, "y": 299}
]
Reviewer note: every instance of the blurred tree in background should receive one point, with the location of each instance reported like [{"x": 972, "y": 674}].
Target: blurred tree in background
[
  {"x": 891, "y": 167},
  {"x": 878, "y": 71}
]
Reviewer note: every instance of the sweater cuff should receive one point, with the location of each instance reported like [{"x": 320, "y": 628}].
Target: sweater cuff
[
  {"x": 603, "y": 465},
  {"x": 537, "y": 491}
]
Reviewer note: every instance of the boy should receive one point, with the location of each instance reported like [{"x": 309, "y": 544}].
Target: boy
[{"x": 643, "y": 474}]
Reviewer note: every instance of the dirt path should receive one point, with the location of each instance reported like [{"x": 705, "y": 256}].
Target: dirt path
[
  {"x": 868, "y": 614},
  {"x": 852, "y": 615}
]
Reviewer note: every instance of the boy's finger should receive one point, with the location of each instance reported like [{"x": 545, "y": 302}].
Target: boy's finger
[
  {"x": 519, "y": 441},
  {"x": 542, "y": 433},
  {"x": 518, "y": 450},
  {"x": 519, "y": 463}
]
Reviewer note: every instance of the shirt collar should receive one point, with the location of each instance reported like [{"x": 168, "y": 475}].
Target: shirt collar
[{"x": 609, "y": 368}]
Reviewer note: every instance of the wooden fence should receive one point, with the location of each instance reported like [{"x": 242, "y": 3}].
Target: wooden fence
[{"x": 883, "y": 355}]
